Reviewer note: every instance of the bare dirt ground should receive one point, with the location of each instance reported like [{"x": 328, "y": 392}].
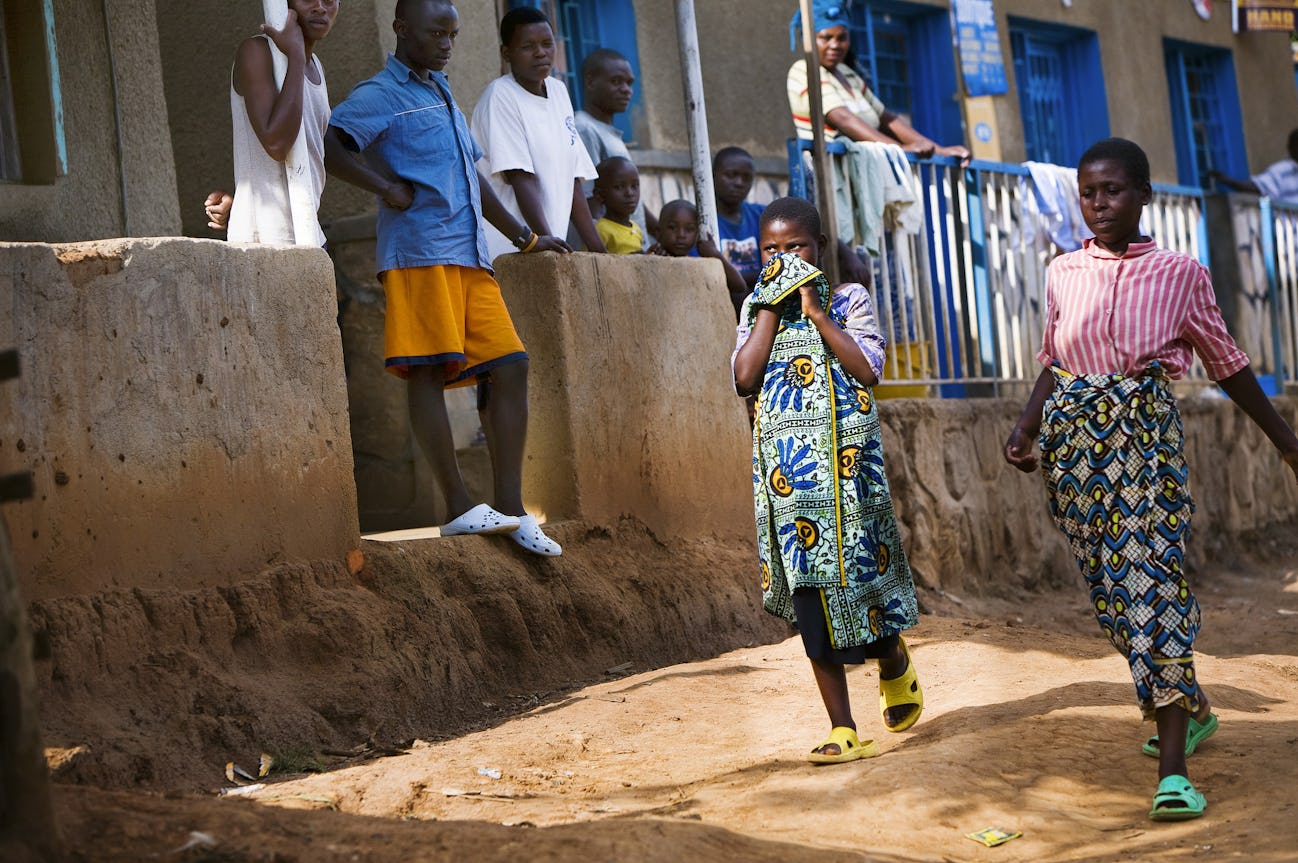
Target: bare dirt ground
[{"x": 1029, "y": 725}]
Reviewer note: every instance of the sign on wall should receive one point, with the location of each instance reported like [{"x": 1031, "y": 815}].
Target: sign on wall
[
  {"x": 981, "y": 62},
  {"x": 1260, "y": 15}
]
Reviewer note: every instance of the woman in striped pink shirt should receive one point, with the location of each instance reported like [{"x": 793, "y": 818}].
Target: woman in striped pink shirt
[{"x": 1122, "y": 316}]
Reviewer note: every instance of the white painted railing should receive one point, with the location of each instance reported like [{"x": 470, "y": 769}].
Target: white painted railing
[
  {"x": 1266, "y": 300},
  {"x": 1284, "y": 253}
]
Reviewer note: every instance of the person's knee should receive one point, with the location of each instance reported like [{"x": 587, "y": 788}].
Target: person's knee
[
  {"x": 508, "y": 382},
  {"x": 511, "y": 374},
  {"x": 426, "y": 377}
]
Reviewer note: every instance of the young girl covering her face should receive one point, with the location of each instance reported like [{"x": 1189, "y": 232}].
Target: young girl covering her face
[{"x": 828, "y": 546}]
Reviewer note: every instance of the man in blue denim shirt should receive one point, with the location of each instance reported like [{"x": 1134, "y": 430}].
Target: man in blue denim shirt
[{"x": 446, "y": 323}]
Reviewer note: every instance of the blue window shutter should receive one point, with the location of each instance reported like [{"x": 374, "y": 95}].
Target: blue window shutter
[
  {"x": 1187, "y": 168},
  {"x": 906, "y": 51},
  {"x": 1038, "y": 70},
  {"x": 615, "y": 28},
  {"x": 933, "y": 79},
  {"x": 1061, "y": 91},
  {"x": 574, "y": 25},
  {"x": 1207, "y": 122}
]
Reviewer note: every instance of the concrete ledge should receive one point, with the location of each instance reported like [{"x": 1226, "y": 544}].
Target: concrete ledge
[
  {"x": 632, "y": 406},
  {"x": 182, "y": 407}
]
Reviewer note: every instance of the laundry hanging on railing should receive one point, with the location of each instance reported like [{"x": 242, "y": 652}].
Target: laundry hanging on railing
[
  {"x": 1054, "y": 205},
  {"x": 872, "y": 193}
]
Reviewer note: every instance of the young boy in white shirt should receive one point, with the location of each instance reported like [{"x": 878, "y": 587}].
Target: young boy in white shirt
[{"x": 535, "y": 161}]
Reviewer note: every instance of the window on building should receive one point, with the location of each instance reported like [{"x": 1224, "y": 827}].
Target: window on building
[
  {"x": 581, "y": 26},
  {"x": 9, "y": 165},
  {"x": 1060, "y": 84},
  {"x": 32, "y": 148},
  {"x": 1206, "y": 119},
  {"x": 905, "y": 53}
]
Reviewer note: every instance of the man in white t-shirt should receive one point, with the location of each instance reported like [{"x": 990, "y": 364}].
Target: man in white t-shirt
[
  {"x": 534, "y": 158},
  {"x": 1278, "y": 182}
]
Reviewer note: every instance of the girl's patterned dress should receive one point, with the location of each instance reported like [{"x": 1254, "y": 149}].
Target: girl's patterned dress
[{"x": 824, "y": 515}]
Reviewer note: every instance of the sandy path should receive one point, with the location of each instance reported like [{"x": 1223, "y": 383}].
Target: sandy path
[
  {"x": 1023, "y": 730},
  {"x": 1026, "y": 727}
]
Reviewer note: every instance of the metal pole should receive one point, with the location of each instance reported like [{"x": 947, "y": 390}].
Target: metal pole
[
  {"x": 696, "y": 119},
  {"x": 820, "y": 158},
  {"x": 125, "y": 207},
  {"x": 276, "y": 13}
]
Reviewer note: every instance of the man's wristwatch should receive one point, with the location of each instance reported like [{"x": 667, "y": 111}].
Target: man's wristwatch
[{"x": 524, "y": 238}]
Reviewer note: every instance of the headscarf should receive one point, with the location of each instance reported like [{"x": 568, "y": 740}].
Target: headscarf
[{"x": 824, "y": 13}]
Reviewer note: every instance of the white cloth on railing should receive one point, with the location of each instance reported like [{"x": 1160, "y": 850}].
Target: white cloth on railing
[
  {"x": 1279, "y": 182},
  {"x": 1054, "y": 205},
  {"x": 901, "y": 209},
  {"x": 858, "y": 197},
  {"x": 872, "y": 193}
]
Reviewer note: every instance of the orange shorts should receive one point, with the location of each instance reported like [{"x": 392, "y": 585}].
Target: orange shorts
[{"x": 447, "y": 316}]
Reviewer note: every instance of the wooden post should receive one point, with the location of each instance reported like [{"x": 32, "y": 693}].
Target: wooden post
[
  {"x": 819, "y": 157},
  {"x": 696, "y": 118},
  {"x": 27, "y": 828}
]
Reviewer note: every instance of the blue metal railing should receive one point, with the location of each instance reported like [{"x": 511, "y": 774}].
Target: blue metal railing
[
  {"x": 978, "y": 272},
  {"x": 1279, "y": 236}
]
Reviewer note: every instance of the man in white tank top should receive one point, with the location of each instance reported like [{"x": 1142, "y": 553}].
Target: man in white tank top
[{"x": 279, "y": 131}]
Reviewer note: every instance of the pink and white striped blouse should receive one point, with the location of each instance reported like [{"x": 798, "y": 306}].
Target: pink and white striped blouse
[{"x": 1107, "y": 314}]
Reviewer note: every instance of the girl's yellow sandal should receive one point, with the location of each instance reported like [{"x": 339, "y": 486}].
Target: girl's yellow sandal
[
  {"x": 850, "y": 747},
  {"x": 901, "y": 691}
]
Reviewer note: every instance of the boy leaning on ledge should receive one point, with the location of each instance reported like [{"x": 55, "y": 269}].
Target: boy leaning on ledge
[{"x": 446, "y": 324}]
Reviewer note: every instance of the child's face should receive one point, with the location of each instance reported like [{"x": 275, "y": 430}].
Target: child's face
[
  {"x": 609, "y": 89},
  {"x": 620, "y": 191},
  {"x": 780, "y": 236},
  {"x": 734, "y": 180},
  {"x": 1111, "y": 202},
  {"x": 530, "y": 52},
  {"x": 678, "y": 232},
  {"x": 315, "y": 17}
]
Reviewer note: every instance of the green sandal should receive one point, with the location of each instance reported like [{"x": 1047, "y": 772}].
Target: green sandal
[
  {"x": 1194, "y": 735},
  {"x": 1176, "y": 800},
  {"x": 901, "y": 691}
]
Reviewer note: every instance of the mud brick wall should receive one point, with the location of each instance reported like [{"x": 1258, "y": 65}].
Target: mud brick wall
[
  {"x": 974, "y": 526},
  {"x": 182, "y": 408},
  {"x": 632, "y": 405}
]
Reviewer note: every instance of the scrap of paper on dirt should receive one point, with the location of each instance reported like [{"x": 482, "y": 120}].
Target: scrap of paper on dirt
[{"x": 993, "y": 836}]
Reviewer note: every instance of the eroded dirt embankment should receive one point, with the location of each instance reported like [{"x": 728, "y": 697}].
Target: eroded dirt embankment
[
  {"x": 1029, "y": 724},
  {"x": 160, "y": 688}
]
